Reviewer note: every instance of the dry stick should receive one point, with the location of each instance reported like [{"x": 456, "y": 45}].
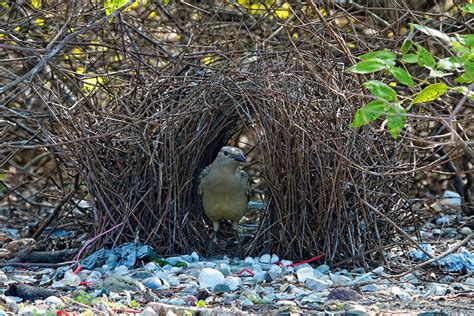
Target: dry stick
[
  {"x": 433, "y": 259},
  {"x": 401, "y": 231},
  {"x": 55, "y": 213},
  {"x": 59, "y": 47}
]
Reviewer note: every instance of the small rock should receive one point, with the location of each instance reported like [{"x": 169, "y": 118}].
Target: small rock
[
  {"x": 195, "y": 256},
  {"x": 304, "y": 273},
  {"x": 121, "y": 270},
  {"x": 369, "y": 288},
  {"x": 246, "y": 302},
  {"x": 266, "y": 258},
  {"x": 229, "y": 298},
  {"x": 317, "y": 284},
  {"x": 3, "y": 277},
  {"x": 465, "y": 231},
  {"x": 410, "y": 277},
  {"x": 11, "y": 304},
  {"x": 152, "y": 267},
  {"x": 221, "y": 288},
  {"x": 173, "y": 260},
  {"x": 450, "y": 232},
  {"x": 54, "y": 301},
  {"x": 24, "y": 245},
  {"x": 233, "y": 282},
  {"x": 436, "y": 232},
  {"x": 438, "y": 289},
  {"x": 358, "y": 271},
  {"x": 286, "y": 302},
  {"x": 148, "y": 312},
  {"x": 155, "y": 283},
  {"x": 324, "y": 268},
  {"x": 275, "y": 272},
  {"x": 469, "y": 282},
  {"x": 401, "y": 294},
  {"x": 5, "y": 254},
  {"x": 275, "y": 259},
  {"x": 249, "y": 260},
  {"x": 451, "y": 198},
  {"x": 224, "y": 268},
  {"x": 210, "y": 277},
  {"x": 117, "y": 284},
  {"x": 313, "y": 298},
  {"x": 343, "y": 294},
  {"x": 142, "y": 275},
  {"x": 339, "y": 279}
]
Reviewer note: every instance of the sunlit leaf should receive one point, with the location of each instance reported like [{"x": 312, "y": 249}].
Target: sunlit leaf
[
  {"x": 396, "y": 118},
  {"x": 402, "y": 76},
  {"x": 381, "y": 90},
  {"x": 450, "y": 63},
  {"x": 430, "y": 93},
  {"x": 201, "y": 304},
  {"x": 92, "y": 82},
  {"x": 424, "y": 57},
  {"x": 367, "y": 66},
  {"x": 379, "y": 54},
  {"x": 438, "y": 73},
  {"x": 468, "y": 8},
  {"x": 368, "y": 113},
  {"x": 467, "y": 39},
  {"x": 432, "y": 32},
  {"x": 283, "y": 12},
  {"x": 36, "y": 4},
  {"x": 410, "y": 58}
]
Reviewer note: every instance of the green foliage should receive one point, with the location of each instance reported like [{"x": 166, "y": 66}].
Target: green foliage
[
  {"x": 468, "y": 8},
  {"x": 201, "y": 304},
  {"x": 388, "y": 102},
  {"x": 112, "y": 5},
  {"x": 134, "y": 304},
  {"x": 84, "y": 298}
]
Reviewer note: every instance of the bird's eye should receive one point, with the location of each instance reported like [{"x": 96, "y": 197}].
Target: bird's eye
[{"x": 226, "y": 152}]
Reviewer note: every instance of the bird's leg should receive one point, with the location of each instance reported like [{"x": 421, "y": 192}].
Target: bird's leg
[
  {"x": 235, "y": 225},
  {"x": 215, "y": 227}
]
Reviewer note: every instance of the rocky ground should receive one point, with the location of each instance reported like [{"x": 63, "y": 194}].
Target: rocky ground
[{"x": 130, "y": 279}]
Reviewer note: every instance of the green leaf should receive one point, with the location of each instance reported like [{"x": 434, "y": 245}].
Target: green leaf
[
  {"x": 460, "y": 48},
  {"x": 201, "y": 304},
  {"x": 367, "y": 66},
  {"x": 432, "y": 32},
  {"x": 430, "y": 93},
  {"x": 468, "y": 8},
  {"x": 379, "y": 54},
  {"x": 439, "y": 73},
  {"x": 468, "y": 39},
  {"x": 424, "y": 57},
  {"x": 410, "y": 58},
  {"x": 407, "y": 43},
  {"x": 396, "y": 118},
  {"x": 381, "y": 90},
  {"x": 368, "y": 113},
  {"x": 402, "y": 76},
  {"x": 450, "y": 63},
  {"x": 112, "y": 5}
]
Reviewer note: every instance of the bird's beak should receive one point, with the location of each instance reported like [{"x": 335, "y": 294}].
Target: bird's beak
[{"x": 240, "y": 158}]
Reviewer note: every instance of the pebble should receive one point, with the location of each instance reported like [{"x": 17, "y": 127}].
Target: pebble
[
  {"x": 436, "y": 232},
  {"x": 148, "y": 312},
  {"x": 312, "y": 298},
  {"x": 275, "y": 271},
  {"x": 156, "y": 283},
  {"x": 324, "y": 268},
  {"x": 401, "y": 294},
  {"x": 54, "y": 301},
  {"x": 233, "y": 282},
  {"x": 304, "y": 273},
  {"x": 369, "y": 288},
  {"x": 286, "y": 302},
  {"x": 316, "y": 284},
  {"x": 266, "y": 258},
  {"x": 343, "y": 294},
  {"x": 469, "y": 282},
  {"x": 465, "y": 231},
  {"x": 210, "y": 277}
]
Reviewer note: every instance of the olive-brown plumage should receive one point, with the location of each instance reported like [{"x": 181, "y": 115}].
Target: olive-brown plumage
[{"x": 224, "y": 189}]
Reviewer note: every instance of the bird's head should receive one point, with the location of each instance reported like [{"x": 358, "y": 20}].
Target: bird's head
[{"x": 230, "y": 156}]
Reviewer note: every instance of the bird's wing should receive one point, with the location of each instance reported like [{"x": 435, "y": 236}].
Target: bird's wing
[
  {"x": 204, "y": 173},
  {"x": 245, "y": 180}
]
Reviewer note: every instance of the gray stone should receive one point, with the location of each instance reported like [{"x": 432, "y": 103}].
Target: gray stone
[
  {"x": 275, "y": 272},
  {"x": 469, "y": 282},
  {"x": 324, "y": 268},
  {"x": 117, "y": 284},
  {"x": 173, "y": 260},
  {"x": 304, "y": 273},
  {"x": 369, "y": 288},
  {"x": 156, "y": 283},
  {"x": 221, "y": 288},
  {"x": 465, "y": 231},
  {"x": 224, "y": 269},
  {"x": 317, "y": 284},
  {"x": 437, "y": 232},
  {"x": 54, "y": 301},
  {"x": 343, "y": 294},
  {"x": 3, "y": 277},
  {"x": 246, "y": 302},
  {"x": 266, "y": 258},
  {"x": 141, "y": 275},
  {"x": 233, "y": 282},
  {"x": 286, "y": 302},
  {"x": 148, "y": 312},
  {"x": 339, "y": 279},
  {"x": 210, "y": 277},
  {"x": 313, "y": 298},
  {"x": 401, "y": 294}
]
